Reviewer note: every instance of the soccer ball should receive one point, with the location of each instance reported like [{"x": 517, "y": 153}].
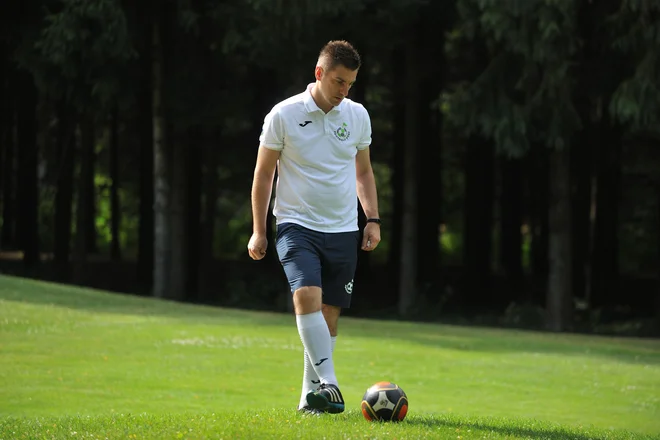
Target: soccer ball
[{"x": 384, "y": 401}]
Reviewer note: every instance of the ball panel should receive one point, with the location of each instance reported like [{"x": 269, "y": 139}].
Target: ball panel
[
  {"x": 368, "y": 412},
  {"x": 385, "y": 414},
  {"x": 395, "y": 395},
  {"x": 384, "y": 386},
  {"x": 371, "y": 396},
  {"x": 400, "y": 410},
  {"x": 383, "y": 402}
]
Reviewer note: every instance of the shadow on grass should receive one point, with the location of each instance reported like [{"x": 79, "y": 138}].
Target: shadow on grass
[
  {"x": 494, "y": 340},
  {"x": 87, "y": 299},
  {"x": 540, "y": 432},
  {"x": 469, "y": 339}
]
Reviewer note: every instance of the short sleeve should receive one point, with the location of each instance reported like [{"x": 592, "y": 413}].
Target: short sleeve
[
  {"x": 272, "y": 132},
  {"x": 365, "y": 138}
]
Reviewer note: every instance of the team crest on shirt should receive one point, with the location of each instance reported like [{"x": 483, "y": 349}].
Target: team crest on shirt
[{"x": 342, "y": 132}]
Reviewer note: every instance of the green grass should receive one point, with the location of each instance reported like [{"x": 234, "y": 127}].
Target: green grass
[{"x": 77, "y": 363}]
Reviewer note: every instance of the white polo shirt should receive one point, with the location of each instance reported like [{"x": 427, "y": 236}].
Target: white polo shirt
[{"x": 316, "y": 184}]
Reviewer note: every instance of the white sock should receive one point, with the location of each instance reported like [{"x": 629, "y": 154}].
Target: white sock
[
  {"x": 315, "y": 337},
  {"x": 311, "y": 380}
]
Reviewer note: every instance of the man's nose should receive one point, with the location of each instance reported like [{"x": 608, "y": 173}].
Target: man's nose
[{"x": 344, "y": 90}]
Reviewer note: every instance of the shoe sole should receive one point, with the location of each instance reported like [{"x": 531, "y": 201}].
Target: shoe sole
[{"x": 318, "y": 401}]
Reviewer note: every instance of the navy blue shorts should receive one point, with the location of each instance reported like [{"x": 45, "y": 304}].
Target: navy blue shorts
[{"x": 325, "y": 260}]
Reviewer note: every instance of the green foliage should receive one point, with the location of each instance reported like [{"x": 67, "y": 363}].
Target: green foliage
[
  {"x": 636, "y": 29},
  {"x": 81, "y": 52},
  {"x": 520, "y": 83},
  {"x": 274, "y": 33},
  {"x": 129, "y": 217}
]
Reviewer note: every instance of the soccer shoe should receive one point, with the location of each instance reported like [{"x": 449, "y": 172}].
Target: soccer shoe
[{"x": 326, "y": 398}]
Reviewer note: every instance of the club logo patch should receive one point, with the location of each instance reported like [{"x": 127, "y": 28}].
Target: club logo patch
[
  {"x": 349, "y": 287},
  {"x": 342, "y": 132}
]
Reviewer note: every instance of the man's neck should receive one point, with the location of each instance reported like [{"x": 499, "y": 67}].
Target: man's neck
[{"x": 318, "y": 99}]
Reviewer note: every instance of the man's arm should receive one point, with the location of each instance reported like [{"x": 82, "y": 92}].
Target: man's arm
[
  {"x": 366, "y": 184},
  {"x": 262, "y": 187}
]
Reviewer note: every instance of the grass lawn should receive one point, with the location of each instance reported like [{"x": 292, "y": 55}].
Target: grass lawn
[{"x": 77, "y": 363}]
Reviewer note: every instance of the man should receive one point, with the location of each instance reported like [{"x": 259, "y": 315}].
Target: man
[{"x": 319, "y": 141}]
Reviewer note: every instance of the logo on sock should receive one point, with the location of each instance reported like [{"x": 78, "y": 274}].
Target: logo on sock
[
  {"x": 316, "y": 381},
  {"x": 349, "y": 287},
  {"x": 321, "y": 361}
]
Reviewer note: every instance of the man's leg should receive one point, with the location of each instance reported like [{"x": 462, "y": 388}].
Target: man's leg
[
  {"x": 298, "y": 250},
  {"x": 314, "y": 332},
  {"x": 315, "y": 336},
  {"x": 311, "y": 380},
  {"x": 339, "y": 260}
]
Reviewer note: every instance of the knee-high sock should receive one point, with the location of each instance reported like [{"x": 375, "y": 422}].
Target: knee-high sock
[
  {"x": 315, "y": 337},
  {"x": 310, "y": 379}
]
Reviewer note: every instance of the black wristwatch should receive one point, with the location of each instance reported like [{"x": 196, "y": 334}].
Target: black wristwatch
[{"x": 373, "y": 220}]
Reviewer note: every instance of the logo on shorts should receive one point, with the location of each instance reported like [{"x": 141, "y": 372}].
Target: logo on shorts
[
  {"x": 349, "y": 287},
  {"x": 342, "y": 132}
]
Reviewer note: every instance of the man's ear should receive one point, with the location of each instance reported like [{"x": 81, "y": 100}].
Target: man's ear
[{"x": 318, "y": 72}]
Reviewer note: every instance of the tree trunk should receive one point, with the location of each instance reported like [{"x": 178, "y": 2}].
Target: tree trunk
[
  {"x": 510, "y": 228},
  {"x": 115, "y": 210},
  {"x": 657, "y": 298},
  {"x": 433, "y": 73},
  {"x": 408, "y": 268},
  {"x": 162, "y": 191},
  {"x": 85, "y": 194},
  {"x": 581, "y": 173},
  {"x": 178, "y": 236},
  {"x": 539, "y": 208},
  {"x": 211, "y": 193},
  {"x": 27, "y": 183},
  {"x": 603, "y": 144},
  {"x": 6, "y": 122},
  {"x": 145, "y": 121},
  {"x": 394, "y": 259},
  {"x": 66, "y": 144},
  {"x": 429, "y": 189},
  {"x": 6, "y": 152},
  {"x": 193, "y": 211},
  {"x": 91, "y": 242},
  {"x": 478, "y": 240},
  {"x": 559, "y": 296},
  {"x": 605, "y": 264},
  {"x": 7, "y": 169}
]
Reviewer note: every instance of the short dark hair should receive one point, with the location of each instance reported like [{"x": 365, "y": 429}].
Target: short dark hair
[{"x": 339, "y": 52}]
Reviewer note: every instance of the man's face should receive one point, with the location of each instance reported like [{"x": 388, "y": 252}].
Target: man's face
[{"x": 335, "y": 83}]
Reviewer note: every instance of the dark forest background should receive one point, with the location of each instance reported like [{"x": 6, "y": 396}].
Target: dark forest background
[{"x": 516, "y": 150}]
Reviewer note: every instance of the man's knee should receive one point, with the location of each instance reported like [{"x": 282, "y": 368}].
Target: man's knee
[{"x": 307, "y": 299}]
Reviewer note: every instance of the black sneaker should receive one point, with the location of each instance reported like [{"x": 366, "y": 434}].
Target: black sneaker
[
  {"x": 326, "y": 398},
  {"x": 309, "y": 411}
]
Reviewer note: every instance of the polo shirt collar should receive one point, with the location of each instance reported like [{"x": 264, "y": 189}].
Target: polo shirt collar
[{"x": 311, "y": 106}]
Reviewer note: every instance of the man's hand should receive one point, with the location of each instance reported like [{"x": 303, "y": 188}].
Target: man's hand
[
  {"x": 257, "y": 246},
  {"x": 371, "y": 237}
]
